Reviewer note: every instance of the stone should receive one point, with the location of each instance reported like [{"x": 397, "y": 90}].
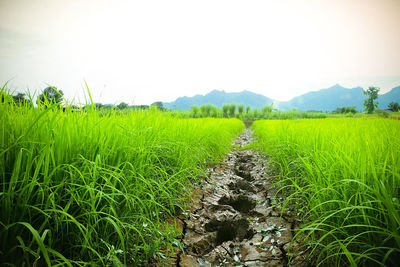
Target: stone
[
  {"x": 270, "y": 263},
  {"x": 188, "y": 261},
  {"x": 216, "y": 256},
  {"x": 199, "y": 244},
  {"x": 252, "y": 253},
  {"x": 196, "y": 201}
]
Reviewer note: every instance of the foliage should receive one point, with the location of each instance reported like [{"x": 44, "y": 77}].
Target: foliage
[
  {"x": 50, "y": 95},
  {"x": 394, "y": 106},
  {"x": 225, "y": 110},
  {"x": 345, "y": 110},
  {"x": 195, "y": 111},
  {"x": 343, "y": 177},
  {"x": 20, "y": 99},
  {"x": 158, "y": 104},
  {"x": 231, "y": 110},
  {"x": 94, "y": 189},
  {"x": 381, "y": 113},
  {"x": 369, "y": 103},
  {"x": 122, "y": 105},
  {"x": 6, "y": 97},
  {"x": 240, "y": 110},
  {"x": 205, "y": 110},
  {"x": 266, "y": 110}
]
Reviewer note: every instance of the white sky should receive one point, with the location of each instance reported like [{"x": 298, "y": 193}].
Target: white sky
[{"x": 144, "y": 51}]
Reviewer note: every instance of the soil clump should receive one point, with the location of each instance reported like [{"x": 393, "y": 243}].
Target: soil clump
[{"x": 233, "y": 219}]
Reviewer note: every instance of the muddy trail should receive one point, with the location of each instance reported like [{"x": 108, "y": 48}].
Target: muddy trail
[{"x": 233, "y": 219}]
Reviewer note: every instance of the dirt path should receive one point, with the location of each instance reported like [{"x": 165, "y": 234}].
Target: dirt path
[{"x": 232, "y": 220}]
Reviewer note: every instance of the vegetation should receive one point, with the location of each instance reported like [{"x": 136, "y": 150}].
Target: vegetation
[
  {"x": 50, "y": 95},
  {"x": 344, "y": 176},
  {"x": 95, "y": 188},
  {"x": 381, "y": 113},
  {"x": 20, "y": 99},
  {"x": 238, "y": 111},
  {"x": 94, "y": 185},
  {"x": 122, "y": 105},
  {"x": 345, "y": 110},
  {"x": 394, "y": 106},
  {"x": 369, "y": 103}
]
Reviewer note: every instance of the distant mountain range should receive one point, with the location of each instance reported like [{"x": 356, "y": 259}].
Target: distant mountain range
[{"x": 322, "y": 100}]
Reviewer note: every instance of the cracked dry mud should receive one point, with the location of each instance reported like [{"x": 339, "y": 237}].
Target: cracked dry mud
[{"x": 232, "y": 220}]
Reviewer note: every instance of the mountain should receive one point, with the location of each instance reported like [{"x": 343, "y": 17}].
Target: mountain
[
  {"x": 322, "y": 100},
  {"x": 392, "y": 95},
  {"x": 218, "y": 98},
  {"x": 326, "y": 99}
]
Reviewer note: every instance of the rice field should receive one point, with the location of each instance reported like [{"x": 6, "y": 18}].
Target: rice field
[
  {"x": 95, "y": 188},
  {"x": 343, "y": 177}
]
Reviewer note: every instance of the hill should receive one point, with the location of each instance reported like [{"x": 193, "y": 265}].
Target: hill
[
  {"x": 392, "y": 95},
  {"x": 218, "y": 98},
  {"x": 327, "y": 99}
]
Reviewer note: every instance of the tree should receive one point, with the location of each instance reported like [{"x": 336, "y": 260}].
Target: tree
[
  {"x": 225, "y": 109},
  {"x": 247, "y": 109},
  {"x": 267, "y": 109},
  {"x": 255, "y": 114},
  {"x": 344, "y": 110},
  {"x": 240, "y": 110},
  {"x": 394, "y": 106},
  {"x": 20, "y": 99},
  {"x": 214, "y": 112},
  {"x": 122, "y": 105},
  {"x": 204, "y": 111},
  {"x": 98, "y": 105},
  {"x": 195, "y": 111},
  {"x": 50, "y": 95},
  {"x": 369, "y": 103},
  {"x": 158, "y": 104},
  {"x": 207, "y": 110},
  {"x": 232, "y": 109}
]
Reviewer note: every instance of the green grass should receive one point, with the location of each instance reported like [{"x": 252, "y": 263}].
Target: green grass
[
  {"x": 90, "y": 188},
  {"x": 211, "y": 111},
  {"x": 344, "y": 176}
]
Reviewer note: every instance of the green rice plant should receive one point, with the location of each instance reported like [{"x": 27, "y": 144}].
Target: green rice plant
[
  {"x": 344, "y": 176},
  {"x": 296, "y": 114},
  {"x": 93, "y": 188}
]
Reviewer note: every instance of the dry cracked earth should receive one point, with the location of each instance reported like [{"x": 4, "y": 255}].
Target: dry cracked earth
[{"x": 233, "y": 219}]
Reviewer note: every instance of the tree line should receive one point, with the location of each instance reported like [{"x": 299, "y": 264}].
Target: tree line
[{"x": 52, "y": 96}]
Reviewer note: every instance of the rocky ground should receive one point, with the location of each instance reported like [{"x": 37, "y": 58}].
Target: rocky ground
[{"x": 233, "y": 219}]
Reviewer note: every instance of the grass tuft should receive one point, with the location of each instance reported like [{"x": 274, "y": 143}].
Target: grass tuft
[
  {"x": 344, "y": 177},
  {"x": 94, "y": 188}
]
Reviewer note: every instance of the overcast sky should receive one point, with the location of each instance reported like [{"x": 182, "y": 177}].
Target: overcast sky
[{"x": 145, "y": 51}]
